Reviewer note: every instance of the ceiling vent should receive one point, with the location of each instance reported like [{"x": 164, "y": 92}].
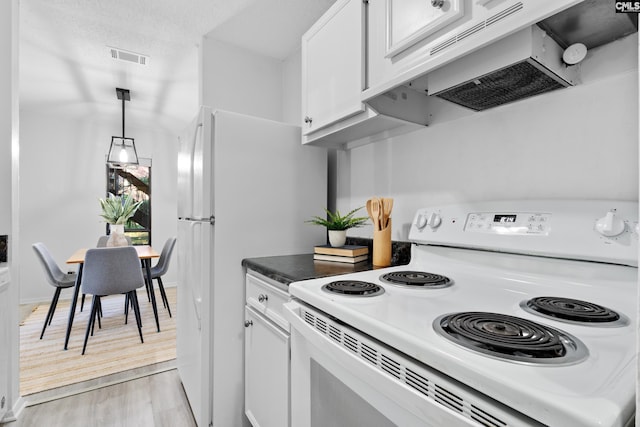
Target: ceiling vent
[
  {"x": 128, "y": 56},
  {"x": 519, "y": 66}
]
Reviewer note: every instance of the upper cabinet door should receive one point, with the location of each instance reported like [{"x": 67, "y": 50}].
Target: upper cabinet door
[
  {"x": 409, "y": 21},
  {"x": 333, "y": 66}
]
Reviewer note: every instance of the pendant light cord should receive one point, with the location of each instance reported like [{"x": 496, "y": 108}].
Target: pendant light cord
[{"x": 123, "y": 101}]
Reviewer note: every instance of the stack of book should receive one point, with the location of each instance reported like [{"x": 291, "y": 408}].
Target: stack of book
[{"x": 348, "y": 254}]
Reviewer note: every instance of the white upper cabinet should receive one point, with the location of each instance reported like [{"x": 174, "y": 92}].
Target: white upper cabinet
[
  {"x": 334, "y": 75},
  {"x": 409, "y": 21},
  {"x": 406, "y": 39},
  {"x": 366, "y": 64},
  {"x": 333, "y": 68}
]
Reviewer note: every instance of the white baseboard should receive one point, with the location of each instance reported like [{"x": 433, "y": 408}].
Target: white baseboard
[{"x": 14, "y": 413}]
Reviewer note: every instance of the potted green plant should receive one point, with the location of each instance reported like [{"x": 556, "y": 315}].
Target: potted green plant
[
  {"x": 337, "y": 225},
  {"x": 116, "y": 211}
]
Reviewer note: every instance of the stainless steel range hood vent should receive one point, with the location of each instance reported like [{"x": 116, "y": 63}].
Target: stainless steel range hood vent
[{"x": 522, "y": 65}]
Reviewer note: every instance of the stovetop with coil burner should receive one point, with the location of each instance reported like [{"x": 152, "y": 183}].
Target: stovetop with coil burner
[
  {"x": 526, "y": 356},
  {"x": 512, "y": 338},
  {"x": 555, "y": 332},
  {"x": 416, "y": 279},
  {"x": 355, "y": 288},
  {"x": 572, "y": 310}
]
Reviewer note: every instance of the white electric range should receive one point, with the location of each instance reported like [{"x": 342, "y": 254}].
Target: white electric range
[{"x": 518, "y": 313}]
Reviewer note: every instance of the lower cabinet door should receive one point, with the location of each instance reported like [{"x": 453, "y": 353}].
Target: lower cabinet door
[
  {"x": 266, "y": 371},
  {"x": 4, "y": 354}
]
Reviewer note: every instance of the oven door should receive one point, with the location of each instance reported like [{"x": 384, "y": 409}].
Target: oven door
[{"x": 340, "y": 377}]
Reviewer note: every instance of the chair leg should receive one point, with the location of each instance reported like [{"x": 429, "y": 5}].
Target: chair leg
[
  {"x": 128, "y": 302},
  {"x": 146, "y": 285},
  {"x": 99, "y": 313},
  {"x": 56, "y": 297},
  {"x": 96, "y": 316},
  {"x": 164, "y": 300},
  {"x": 164, "y": 295},
  {"x": 93, "y": 321},
  {"x": 126, "y": 308},
  {"x": 82, "y": 302},
  {"x": 52, "y": 309},
  {"x": 136, "y": 309},
  {"x": 94, "y": 305}
]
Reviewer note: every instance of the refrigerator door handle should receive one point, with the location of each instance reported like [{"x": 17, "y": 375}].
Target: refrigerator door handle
[
  {"x": 211, "y": 220},
  {"x": 196, "y": 305}
]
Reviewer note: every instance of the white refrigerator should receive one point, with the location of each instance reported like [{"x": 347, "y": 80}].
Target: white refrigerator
[{"x": 246, "y": 185}]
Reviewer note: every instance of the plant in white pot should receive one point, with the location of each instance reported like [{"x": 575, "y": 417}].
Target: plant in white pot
[
  {"x": 337, "y": 225},
  {"x": 117, "y": 210}
]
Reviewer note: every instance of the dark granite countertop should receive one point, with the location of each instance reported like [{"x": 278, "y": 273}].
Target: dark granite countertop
[{"x": 292, "y": 268}]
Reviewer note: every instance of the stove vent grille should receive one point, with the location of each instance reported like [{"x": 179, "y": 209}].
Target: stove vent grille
[
  {"x": 429, "y": 383},
  {"x": 524, "y": 64},
  {"x": 510, "y": 84}
]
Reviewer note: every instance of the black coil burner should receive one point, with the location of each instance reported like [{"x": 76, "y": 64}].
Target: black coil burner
[
  {"x": 353, "y": 288},
  {"x": 572, "y": 310},
  {"x": 511, "y": 338},
  {"x": 417, "y": 279}
]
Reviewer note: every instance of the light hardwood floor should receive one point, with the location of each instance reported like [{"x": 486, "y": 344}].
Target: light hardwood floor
[{"x": 156, "y": 400}]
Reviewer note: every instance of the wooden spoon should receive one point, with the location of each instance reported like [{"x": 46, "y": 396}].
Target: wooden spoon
[
  {"x": 381, "y": 218},
  {"x": 387, "y": 204},
  {"x": 369, "y": 211}
]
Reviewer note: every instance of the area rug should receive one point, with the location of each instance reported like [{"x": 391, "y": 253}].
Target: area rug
[{"x": 114, "y": 348}]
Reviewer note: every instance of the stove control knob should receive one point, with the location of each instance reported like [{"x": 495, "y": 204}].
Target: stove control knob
[
  {"x": 421, "y": 221},
  {"x": 610, "y": 225},
  {"x": 434, "y": 220}
]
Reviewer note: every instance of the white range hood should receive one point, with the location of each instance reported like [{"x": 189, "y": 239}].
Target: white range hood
[{"x": 519, "y": 66}]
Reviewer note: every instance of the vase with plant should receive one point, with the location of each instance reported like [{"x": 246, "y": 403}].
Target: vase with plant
[
  {"x": 337, "y": 225},
  {"x": 116, "y": 211}
]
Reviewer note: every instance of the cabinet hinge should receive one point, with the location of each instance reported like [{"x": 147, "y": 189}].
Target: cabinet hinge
[{"x": 365, "y": 1}]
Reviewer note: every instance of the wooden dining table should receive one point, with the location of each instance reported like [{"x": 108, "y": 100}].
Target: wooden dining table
[{"x": 145, "y": 252}]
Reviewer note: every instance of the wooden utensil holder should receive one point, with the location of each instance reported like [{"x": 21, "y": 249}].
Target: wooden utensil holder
[{"x": 382, "y": 246}]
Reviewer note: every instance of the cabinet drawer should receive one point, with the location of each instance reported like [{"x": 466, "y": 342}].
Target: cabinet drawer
[{"x": 266, "y": 298}]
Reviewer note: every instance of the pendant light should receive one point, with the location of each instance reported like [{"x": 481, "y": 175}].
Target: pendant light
[{"x": 122, "y": 151}]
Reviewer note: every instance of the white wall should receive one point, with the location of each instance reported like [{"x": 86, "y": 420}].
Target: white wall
[
  {"x": 235, "y": 79},
  {"x": 63, "y": 176},
  {"x": 7, "y": 69},
  {"x": 9, "y": 197},
  {"x": 292, "y": 89},
  {"x": 580, "y": 142}
]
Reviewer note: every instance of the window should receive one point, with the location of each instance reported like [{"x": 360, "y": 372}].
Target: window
[{"x": 136, "y": 182}]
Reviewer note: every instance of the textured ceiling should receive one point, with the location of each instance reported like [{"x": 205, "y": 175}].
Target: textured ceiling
[{"x": 66, "y": 68}]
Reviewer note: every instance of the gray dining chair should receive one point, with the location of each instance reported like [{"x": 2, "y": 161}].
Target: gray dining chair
[
  {"x": 111, "y": 271},
  {"x": 102, "y": 243},
  {"x": 160, "y": 269},
  {"x": 56, "y": 278}
]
